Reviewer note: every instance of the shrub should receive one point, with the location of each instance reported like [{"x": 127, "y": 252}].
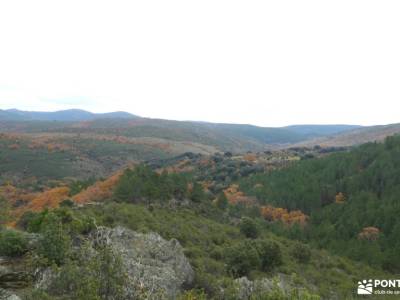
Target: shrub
[
  {"x": 301, "y": 253},
  {"x": 90, "y": 276},
  {"x": 222, "y": 201},
  {"x": 197, "y": 194},
  {"x": 67, "y": 203},
  {"x": 270, "y": 254},
  {"x": 242, "y": 258},
  {"x": 31, "y": 221},
  {"x": 12, "y": 243},
  {"x": 55, "y": 244},
  {"x": 4, "y": 211},
  {"x": 249, "y": 228}
]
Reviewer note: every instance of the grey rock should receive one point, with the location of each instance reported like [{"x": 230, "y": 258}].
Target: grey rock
[
  {"x": 247, "y": 288},
  {"x": 6, "y": 295},
  {"x": 151, "y": 262},
  {"x": 12, "y": 274}
]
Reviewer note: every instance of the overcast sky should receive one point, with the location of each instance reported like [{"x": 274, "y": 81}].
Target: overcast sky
[{"x": 263, "y": 62}]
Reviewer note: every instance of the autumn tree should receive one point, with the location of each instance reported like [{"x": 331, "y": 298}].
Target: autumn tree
[
  {"x": 369, "y": 234},
  {"x": 340, "y": 198}
]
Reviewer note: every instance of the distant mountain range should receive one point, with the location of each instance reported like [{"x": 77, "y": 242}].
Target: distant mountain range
[
  {"x": 227, "y": 137},
  {"x": 70, "y": 115}
]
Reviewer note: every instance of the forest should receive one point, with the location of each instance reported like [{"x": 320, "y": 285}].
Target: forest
[{"x": 351, "y": 199}]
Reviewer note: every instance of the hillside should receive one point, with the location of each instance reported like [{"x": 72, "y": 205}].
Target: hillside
[
  {"x": 241, "y": 206},
  {"x": 354, "y": 137},
  {"x": 233, "y": 136},
  {"x": 229, "y": 244},
  {"x": 351, "y": 197}
]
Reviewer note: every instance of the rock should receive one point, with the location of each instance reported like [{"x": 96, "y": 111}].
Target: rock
[
  {"x": 247, "y": 288},
  {"x": 6, "y": 295},
  {"x": 150, "y": 261},
  {"x": 12, "y": 275}
]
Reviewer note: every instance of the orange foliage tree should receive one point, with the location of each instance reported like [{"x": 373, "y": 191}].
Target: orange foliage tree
[
  {"x": 98, "y": 191},
  {"x": 369, "y": 234},
  {"x": 340, "y": 198},
  {"x": 235, "y": 196},
  {"x": 273, "y": 214}
]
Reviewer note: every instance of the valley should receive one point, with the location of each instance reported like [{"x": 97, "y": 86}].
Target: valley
[{"x": 227, "y": 211}]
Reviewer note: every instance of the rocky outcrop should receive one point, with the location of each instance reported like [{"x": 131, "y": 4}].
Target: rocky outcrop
[
  {"x": 13, "y": 274},
  {"x": 151, "y": 262},
  {"x": 6, "y": 295},
  {"x": 247, "y": 288}
]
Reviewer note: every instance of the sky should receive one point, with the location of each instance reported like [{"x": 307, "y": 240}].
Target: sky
[{"x": 268, "y": 63}]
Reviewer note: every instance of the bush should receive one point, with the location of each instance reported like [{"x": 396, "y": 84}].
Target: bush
[
  {"x": 269, "y": 253},
  {"x": 222, "y": 201},
  {"x": 249, "y": 228},
  {"x": 31, "y": 221},
  {"x": 12, "y": 243},
  {"x": 301, "y": 253},
  {"x": 90, "y": 276},
  {"x": 67, "y": 203},
  {"x": 55, "y": 244},
  {"x": 4, "y": 211},
  {"x": 242, "y": 258}
]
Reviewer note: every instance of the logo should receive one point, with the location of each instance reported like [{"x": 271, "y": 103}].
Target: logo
[{"x": 365, "y": 287}]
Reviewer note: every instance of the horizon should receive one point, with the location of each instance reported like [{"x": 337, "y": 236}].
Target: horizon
[{"x": 193, "y": 121}]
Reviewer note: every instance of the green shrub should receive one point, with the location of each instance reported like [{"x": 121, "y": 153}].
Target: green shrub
[
  {"x": 4, "y": 211},
  {"x": 301, "y": 253},
  {"x": 12, "y": 243},
  {"x": 222, "y": 201},
  {"x": 31, "y": 221},
  {"x": 249, "y": 228},
  {"x": 90, "y": 277},
  {"x": 67, "y": 203},
  {"x": 269, "y": 253},
  {"x": 242, "y": 258},
  {"x": 55, "y": 244}
]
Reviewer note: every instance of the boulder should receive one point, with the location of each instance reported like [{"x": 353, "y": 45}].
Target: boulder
[
  {"x": 155, "y": 268},
  {"x": 6, "y": 295},
  {"x": 150, "y": 261},
  {"x": 257, "y": 288},
  {"x": 13, "y": 275}
]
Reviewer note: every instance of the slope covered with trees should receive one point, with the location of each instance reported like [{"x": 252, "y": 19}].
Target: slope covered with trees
[{"x": 352, "y": 199}]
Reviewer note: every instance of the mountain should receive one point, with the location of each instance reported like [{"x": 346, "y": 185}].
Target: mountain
[
  {"x": 69, "y": 115},
  {"x": 355, "y": 136},
  {"x": 226, "y": 137},
  {"x": 321, "y": 130}
]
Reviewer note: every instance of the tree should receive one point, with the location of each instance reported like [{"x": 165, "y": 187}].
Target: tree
[
  {"x": 340, "y": 198},
  {"x": 197, "y": 194},
  {"x": 55, "y": 244},
  {"x": 242, "y": 258},
  {"x": 12, "y": 243},
  {"x": 301, "y": 253},
  {"x": 249, "y": 228},
  {"x": 270, "y": 254},
  {"x": 4, "y": 211},
  {"x": 222, "y": 201}
]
